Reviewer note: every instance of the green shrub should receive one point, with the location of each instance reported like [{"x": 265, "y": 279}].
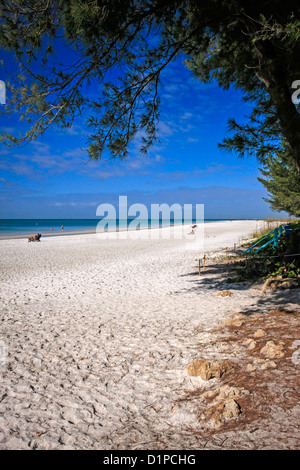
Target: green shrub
[{"x": 272, "y": 261}]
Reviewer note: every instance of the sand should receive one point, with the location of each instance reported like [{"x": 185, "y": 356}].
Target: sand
[{"x": 97, "y": 334}]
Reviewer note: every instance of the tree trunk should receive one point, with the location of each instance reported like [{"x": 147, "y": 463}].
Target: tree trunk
[
  {"x": 273, "y": 72},
  {"x": 287, "y": 113}
]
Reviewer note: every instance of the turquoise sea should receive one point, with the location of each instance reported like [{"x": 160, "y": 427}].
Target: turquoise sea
[{"x": 48, "y": 226}]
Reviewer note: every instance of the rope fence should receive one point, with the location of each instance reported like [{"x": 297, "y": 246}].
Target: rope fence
[{"x": 248, "y": 259}]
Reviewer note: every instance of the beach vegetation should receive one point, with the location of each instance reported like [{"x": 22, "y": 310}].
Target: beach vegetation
[
  {"x": 282, "y": 182},
  {"x": 281, "y": 261}
]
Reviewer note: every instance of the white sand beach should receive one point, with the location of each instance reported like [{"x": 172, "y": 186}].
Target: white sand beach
[{"x": 98, "y": 334}]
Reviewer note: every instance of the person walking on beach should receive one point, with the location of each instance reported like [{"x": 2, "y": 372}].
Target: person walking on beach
[{"x": 62, "y": 228}]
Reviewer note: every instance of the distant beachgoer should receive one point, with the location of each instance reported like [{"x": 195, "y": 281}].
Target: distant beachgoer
[
  {"x": 192, "y": 229},
  {"x": 62, "y": 228},
  {"x": 51, "y": 229}
]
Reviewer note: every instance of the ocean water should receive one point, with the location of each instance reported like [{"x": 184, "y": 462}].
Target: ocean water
[
  {"x": 32, "y": 226},
  {"x": 20, "y": 226},
  {"x": 48, "y": 226}
]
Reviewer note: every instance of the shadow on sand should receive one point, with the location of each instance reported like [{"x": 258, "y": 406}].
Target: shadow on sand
[{"x": 214, "y": 277}]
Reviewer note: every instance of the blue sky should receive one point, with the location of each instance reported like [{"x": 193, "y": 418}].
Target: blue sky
[{"x": 53, "y": 178}]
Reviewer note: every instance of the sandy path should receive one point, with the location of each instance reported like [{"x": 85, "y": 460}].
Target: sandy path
[{"x": 98, "y": 335}]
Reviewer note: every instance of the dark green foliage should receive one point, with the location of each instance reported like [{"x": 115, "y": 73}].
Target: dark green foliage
[
  {"x": 106, "y": 38},
  {"x": 123, "y": 46},
  {"x": 282, "y": 182},
  {"x": 283, "y": 261}
]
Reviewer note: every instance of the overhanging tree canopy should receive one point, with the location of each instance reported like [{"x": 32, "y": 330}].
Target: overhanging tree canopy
[{"x": 254, "y": 46}]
